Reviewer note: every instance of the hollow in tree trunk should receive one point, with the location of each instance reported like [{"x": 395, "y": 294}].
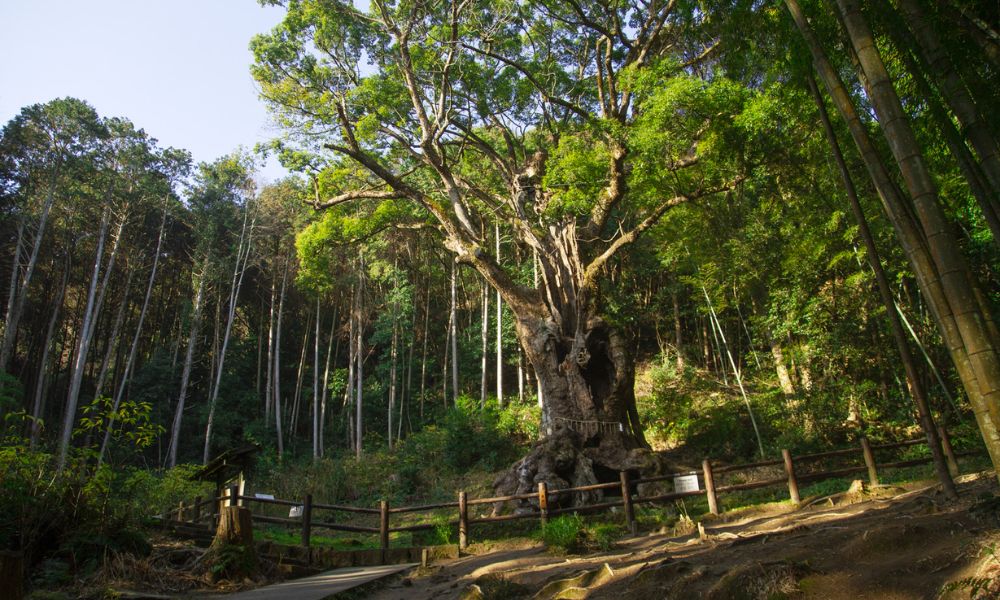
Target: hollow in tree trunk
[{"x": 593, "y": 429}]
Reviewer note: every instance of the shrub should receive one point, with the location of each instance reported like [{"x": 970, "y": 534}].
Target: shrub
[
  {"x": 440, "y": 535},
  {"x": 563, "y": 532},
  {"x": 474, "y": 437}
]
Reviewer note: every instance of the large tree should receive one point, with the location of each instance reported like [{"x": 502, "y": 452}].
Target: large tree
[{"x": 574, "y": 125}]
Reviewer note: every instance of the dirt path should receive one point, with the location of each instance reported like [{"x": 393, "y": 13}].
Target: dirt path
[{"x": 902, "y": 545}]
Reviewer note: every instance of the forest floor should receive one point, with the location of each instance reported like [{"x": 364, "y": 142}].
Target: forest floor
[{"x": 890, "y": 543}]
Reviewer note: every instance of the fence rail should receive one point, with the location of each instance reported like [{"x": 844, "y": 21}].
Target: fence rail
[{"x": 627, "y": 487}]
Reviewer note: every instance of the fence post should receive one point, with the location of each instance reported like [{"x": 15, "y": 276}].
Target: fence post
[
  {"x": 180, "y": 511},
  {"x": 866, "y": 448},
  {"x": 197, "y": 509},
  {"x": 383, "y": 527},
  {"x": 463, "y": 521},
  {"x": 627, "y": 501},
  {"x": 793, "y": 484},
  {"x": 543, "y": 502},
  {"x": 215, "y": 508},
  {"x": 234, "y": 495},
  {"x": 949, "y": 452},
  {"x": 307, "y": 510},
  {"x": 713, "y": 501}
]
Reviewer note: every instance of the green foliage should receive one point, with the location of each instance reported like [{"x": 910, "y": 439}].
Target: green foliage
[
  {"x": 442, "y": 533},
  {"x": 82, "y": 511},
  {"x": 11, "y": 393},
  {"x": 467, "y": 440},
  {"x": 131, "y": 422},
  {"x": 474, "y": 436},
  {"x": 573, "y": 535},
  {"x": 564, "y": 532}
]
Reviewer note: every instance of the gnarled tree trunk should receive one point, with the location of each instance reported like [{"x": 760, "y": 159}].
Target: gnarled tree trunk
[
  {"x": 592, "y": 431},
  {"x": 585, "y": 373}
]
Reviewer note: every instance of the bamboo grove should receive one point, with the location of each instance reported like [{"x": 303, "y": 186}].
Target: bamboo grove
[{"x": 831, "y": 263}]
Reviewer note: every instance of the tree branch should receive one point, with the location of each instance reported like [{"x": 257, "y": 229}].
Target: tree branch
[
  {"x": 577, "y": 110},
  {"x": 595, "y": 266}
]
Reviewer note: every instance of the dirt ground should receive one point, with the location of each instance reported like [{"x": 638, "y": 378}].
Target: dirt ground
[{"x": 890, "y": 543}]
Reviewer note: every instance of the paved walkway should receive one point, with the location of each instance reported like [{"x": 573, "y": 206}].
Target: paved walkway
[{"x": 320, "y": 586}]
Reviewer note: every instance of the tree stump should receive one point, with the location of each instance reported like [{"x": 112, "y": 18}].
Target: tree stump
[
  {"x": 12, "y": 575},
  {"x": 232, "y": 554}
]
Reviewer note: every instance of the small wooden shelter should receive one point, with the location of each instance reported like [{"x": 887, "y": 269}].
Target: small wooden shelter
[{"x": 229, "y": 469}]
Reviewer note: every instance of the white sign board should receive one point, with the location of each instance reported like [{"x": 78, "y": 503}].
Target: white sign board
[
  {"x": 264, "y": 496},
  {"x": 294, "y": 512},
  {"x": 686, "y": 483}
]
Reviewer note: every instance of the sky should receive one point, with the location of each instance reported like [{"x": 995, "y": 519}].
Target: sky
[{"x": 179, "y": 69}]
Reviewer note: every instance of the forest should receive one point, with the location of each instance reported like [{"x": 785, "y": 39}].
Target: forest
[{"x": 521, "y": 242}]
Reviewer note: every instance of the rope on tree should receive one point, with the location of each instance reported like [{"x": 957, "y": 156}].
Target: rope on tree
[{"x": 588, "y": 427}]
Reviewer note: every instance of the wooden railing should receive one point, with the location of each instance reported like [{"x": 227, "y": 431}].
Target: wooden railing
[{"x": 625, "y": 489}]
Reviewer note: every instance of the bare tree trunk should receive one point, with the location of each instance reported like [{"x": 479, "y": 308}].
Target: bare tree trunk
[
  {"x": 781, "y": 369},
  {"x": 242, "y": 258},
  {"x": 746, "y": 330},
  {"x": 909, "y": 235},
  {"x": 423, "y": 356},
  {"x": 360, "y": 357},
  {"x": 986, "y": 37},
  {"x": 927, "y": 357},
  {"x": 38, "y": 405},
  {"x": 393, "y": 361},
  {"x": 453, "y": 324},
  {"x": 260, "y": 349},
  {"x": 985, "y": 195},
  {"x": 133, "y": 350},
  {"x": 276, "y": 377},
  {"x": 720, "y": 366},
  {"x": 706, "y": 355},
  {"x": 917, "y": 389},
  {"x": 16, "y": 308},
  {"x": 499, "y": 302},
  {"x": 175, "y": 429},
  {"x": 678, "y": 331},
  {"x": 953, "y": 89},
  {"x": 351, "y": 365},
  {"x": 408, "y": 388},
  {"x": 83, "y": 343},
  {"x": 736, "y": 372},
  {"x": 114, "y": 335},
  {"x": 330, "y": 355},
  {"x": 543, "y": 428},
  {"x": 269, "y": 373},
  {"x": 299, "y": 378},
  {"x": 520, "y": 376},
  {"x": 444, "y": 364},
  {"x": 957, "y": 281},
  {"x": 15, "y": 268},
  {"x": 315, "y": 398},
  {"x": 485, "y": 344}
]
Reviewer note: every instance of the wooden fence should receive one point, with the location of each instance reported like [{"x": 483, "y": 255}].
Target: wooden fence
[{"x": 795, "y": 469}]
